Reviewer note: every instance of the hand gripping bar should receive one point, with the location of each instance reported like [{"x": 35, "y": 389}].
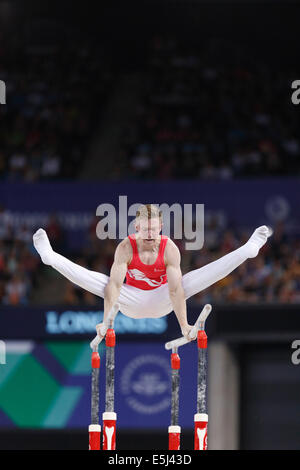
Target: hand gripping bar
[
  {"x": 199, "y": 325},
  {"x": 108, "y": 322}
]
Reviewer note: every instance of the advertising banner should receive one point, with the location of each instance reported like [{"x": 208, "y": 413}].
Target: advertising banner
[{"x": 48, "y": 385}]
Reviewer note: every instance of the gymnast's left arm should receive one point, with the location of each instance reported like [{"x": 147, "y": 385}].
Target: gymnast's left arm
[{"x": 176, "y": 292}]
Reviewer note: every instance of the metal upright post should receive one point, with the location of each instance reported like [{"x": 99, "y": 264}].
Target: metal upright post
[
  {"x": 200, "y": 418},
  {"x": 109, "y": 416},
  {"x": 95, "y": 428},
  {"x": 174, "y": 429}
]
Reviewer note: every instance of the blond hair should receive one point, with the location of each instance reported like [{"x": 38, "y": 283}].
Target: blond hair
[{"x": 148, "y": 211}]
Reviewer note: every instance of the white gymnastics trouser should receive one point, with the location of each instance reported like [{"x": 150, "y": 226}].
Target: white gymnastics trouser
[{"x": 137, "y": 303}]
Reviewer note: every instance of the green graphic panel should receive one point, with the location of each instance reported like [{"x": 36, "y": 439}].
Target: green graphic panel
[
  {"x": 34, "y": 392},
  {"x": 82, "y": 366},
  {"x": 12, "y": 362},
  {"x": 74, "y": 356},
  {"x": 26, "y": 395},
  {"x": 62, "y": 407},
  {"x": 66, "y": 352}
]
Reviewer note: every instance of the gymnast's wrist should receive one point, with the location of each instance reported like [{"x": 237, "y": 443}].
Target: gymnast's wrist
[{"x": 184, "y": 327}]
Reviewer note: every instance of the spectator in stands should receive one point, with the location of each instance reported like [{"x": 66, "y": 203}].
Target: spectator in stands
[{"x": 16, "y": 290}]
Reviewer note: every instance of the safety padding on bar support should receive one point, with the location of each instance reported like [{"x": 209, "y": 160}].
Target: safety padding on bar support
[
  {"x": 109, "y": 430},
  {"x": 200, "y": 440},
  {"x": 175, "y": 361},
  {"x": 94, "y": 436},
  {"x": 202, "y": 339},
  {"x": 94, "y": 428},
  {"x": 95, "y": 360},
  {"x": 110, "y": 339},
  {"x": 109, "y": 416},
  {"x": 174, "y": 429},
  {"x": 174, "y": 437},
  {"x": 201, "y": 417}
]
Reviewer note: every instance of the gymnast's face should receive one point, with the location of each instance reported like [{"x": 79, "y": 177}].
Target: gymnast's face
[{"x": 148, "y": 230}]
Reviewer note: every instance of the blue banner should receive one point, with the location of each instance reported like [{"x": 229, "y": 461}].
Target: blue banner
[
  {"x": 238, "y": 202},
  {"x": 143, "y": 385},
  {"x": 243, "y": 200},
  {"x": 57, "y": 322},
  {"x": 226, "y": 321}
]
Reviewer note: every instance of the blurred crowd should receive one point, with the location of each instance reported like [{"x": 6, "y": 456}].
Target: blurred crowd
[
  {"x": 55, "y": 95},
  {"x": 199, "y": 120},
  {"x": 18, "y": 262},
  {"x": 20, "y": 265},
  {"x": 273, "y": 276},
  {"x": 194, "y": 120}
]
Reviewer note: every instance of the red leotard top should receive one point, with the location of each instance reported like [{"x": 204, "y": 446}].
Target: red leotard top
[{"x": 147, "y": 276}]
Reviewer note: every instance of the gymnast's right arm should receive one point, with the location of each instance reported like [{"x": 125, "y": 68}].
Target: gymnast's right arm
[
  {"x": 117, "y": 276},
  {"x": 116, "y": 279},
  {"x": 89, "y": 280}
]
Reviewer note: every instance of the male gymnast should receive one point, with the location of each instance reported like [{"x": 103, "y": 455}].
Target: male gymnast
[{"x": 150, "y": 262}]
